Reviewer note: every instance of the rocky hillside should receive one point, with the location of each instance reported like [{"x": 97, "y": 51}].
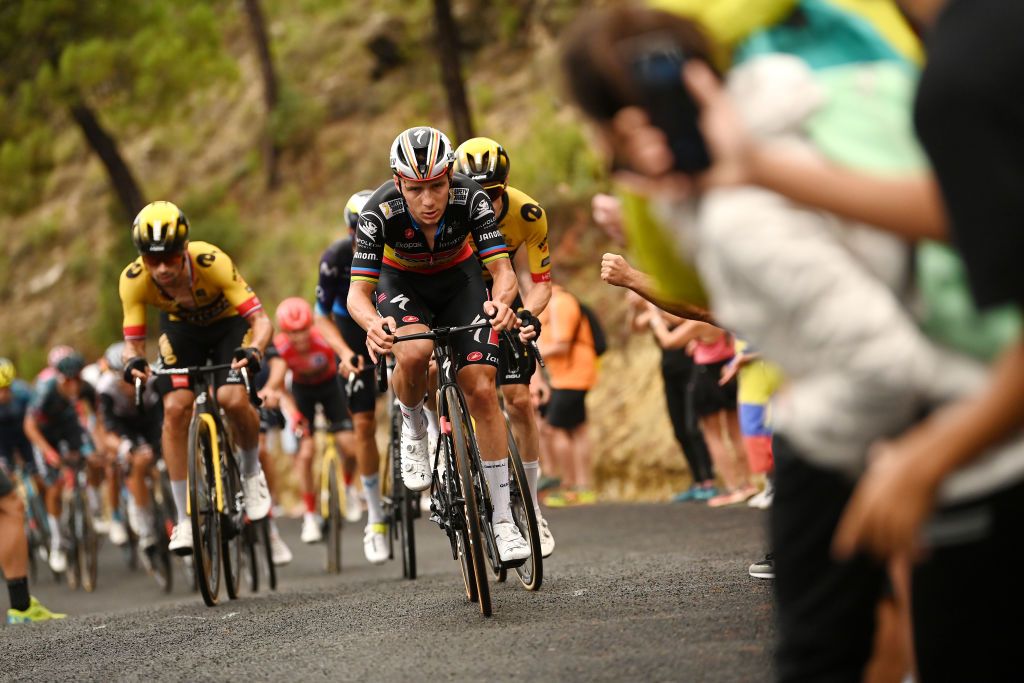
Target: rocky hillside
[{"x": 63, "y": 252}]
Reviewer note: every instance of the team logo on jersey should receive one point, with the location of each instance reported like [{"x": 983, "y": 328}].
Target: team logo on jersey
[
  {"x": 410, "y": 319},
  {"x": 392, "y": 207},
  {"x": 409, "y": 233},
  {"x": 381, "y": 297},
  {"x": 134, "y": 270},
  {"x": 327, "y": 269},
  {"x": 458, "y": 195},
  {"x": 531, "y": 213},
  {"x": 474, "y": 356},
  {"x": 483, "y": 208},
  {"x": 206, "y": 260},
  {"x": 368, "y": 229}
]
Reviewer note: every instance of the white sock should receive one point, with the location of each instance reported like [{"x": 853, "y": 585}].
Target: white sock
[
  {"x": 250, "y": 461},
  {"x": 374, "y": 510},
  {"x": 308, "y": 515},
  {"x": 179, "y": 489},
  {"x": 92, "y": 494},
  {"x": 413, "y": 420},
  {"x": 496, "y": 474},
  {"x": 433, "y": 428},
  {"x": 54, "y": 531},
  {"x": 532, "y": 470}
]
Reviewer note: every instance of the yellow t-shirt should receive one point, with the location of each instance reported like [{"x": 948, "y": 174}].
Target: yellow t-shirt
[{"x": 218, "y": 291}]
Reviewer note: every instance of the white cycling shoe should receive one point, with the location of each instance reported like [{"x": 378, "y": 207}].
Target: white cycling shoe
[
  {"x": 280, "y": 553},
  {"x": 117, "y": 533},
  {"x": 375, "y": 545},
  {"x": 311, "y": 532},
  {"x": 58, "y": 560},
  {"x": 353, "y": 509},
  {"x": 415, "y": 462},
  {"x": 547, "y": 541},
  {"x": 257, "y": 497},
  {"x": 181, "y": 538},
  {"x": 511, "y": 544}
]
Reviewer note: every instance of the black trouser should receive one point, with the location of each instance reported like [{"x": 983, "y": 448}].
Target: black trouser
[
  {"x": 966, "y": 596},
  {"x": 677, "y": 377},
  {"x": 825, "y": 609}
]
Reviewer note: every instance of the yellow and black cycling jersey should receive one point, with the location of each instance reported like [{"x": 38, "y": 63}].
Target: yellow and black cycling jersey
[
  {"x": 218, "y": 292},
  {"x": 523, "y": 222}
]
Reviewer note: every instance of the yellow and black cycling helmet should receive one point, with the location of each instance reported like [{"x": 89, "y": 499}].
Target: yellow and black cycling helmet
[
  {"x": 7, "y": 373},
  {"x": 354, "y": 206},
  {"x": 486, "y": 162},
  {"x": 160, "y": 228}
]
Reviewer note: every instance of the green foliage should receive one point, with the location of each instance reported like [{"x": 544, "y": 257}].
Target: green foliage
[
  {"x": 296, "y": 120},
  {"x": 24, "y": 163},
  {"x": 558, "y": 154}
]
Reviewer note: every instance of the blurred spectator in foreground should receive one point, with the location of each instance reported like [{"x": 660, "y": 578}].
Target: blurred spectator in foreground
[
  {"x": 567, "y": 346},
  {"x": 820, "y": 296}
]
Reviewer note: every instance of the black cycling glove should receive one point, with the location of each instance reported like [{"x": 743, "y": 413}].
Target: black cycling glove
[
  {"x": 528, "y": 318},
  {"x": 138, "y": 363},
  {"x": 251, "y": 354}
]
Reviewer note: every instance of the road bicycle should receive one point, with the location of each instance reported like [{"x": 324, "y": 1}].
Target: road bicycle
[
  {"x": 332, "y": 509},
  {"x": 80, "y": 535},
  {"x": 216, "y": 502},
  {"x": 401, "y": 506},
  {"x": 459, "y": 500},
  {"x": 37, "y": 528}
]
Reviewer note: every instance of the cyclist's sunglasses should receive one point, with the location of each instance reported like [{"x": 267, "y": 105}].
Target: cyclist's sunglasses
[
  {"x": 495, "y": 192},
  {"x": 162, "y": 259}
]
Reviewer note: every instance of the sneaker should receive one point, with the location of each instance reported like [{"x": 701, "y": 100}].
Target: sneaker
[
  {"x": 586, "y": 497},
  {"x": 58, "y": 561},
  {"x": 311, "y": 532},
  {"x": 545, "y": 482},
  {"x": 257, "y": 497},
  {"x": 353, "y": 510},
  {"x": 35, "y": 612},
  {"x": 511, "y": 544},
  {"x": 415, "y": 462},
  {"x": 547, "y": 541},
  {"x": 732, "y": 497},
  {"x": 763, "y": 500},
  {"x": 280, "y": 553},
  {"x": 375, "y": 545},
  {"x": 687, "y": 495},
  {"x": 705, "y": 493},
  {"x": 560, "y": 499},
  {"x": 181, "y": 538},
  {"x": 763, "y": 569},
  {"x": 117, "y": 533}
]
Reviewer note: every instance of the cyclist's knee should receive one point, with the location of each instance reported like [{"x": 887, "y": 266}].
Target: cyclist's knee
[
  {"x": 177, "y": 409},
  {"x": 232, "y": 397},
  {"x": 478, "y": 385},
  {"x": 12, "y": 506},
  {"x": 364, "y": 423},
  {"x": 517, "y": 402},
  {"x": 414, "y": 356}
]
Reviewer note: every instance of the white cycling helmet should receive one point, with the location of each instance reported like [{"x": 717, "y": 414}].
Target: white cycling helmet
[
  {"x": 354, "y": 206},
  {"x": 114, "y": 356},
  {"x": 421, "y": 154}
]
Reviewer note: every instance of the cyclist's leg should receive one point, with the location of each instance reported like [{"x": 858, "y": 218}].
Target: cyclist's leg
[
  {"x": 400, "y": 297},
  {"x": 305, "y": 401},
  {"x": 231, "y": 334},
  {"x": 13, "y": 544},
  {"x": 515, "y": 387}
]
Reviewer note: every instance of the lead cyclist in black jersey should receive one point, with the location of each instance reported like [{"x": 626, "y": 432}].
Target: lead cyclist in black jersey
[{"x": 413, "y": 260}]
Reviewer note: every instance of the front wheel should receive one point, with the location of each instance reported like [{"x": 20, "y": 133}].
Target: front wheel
[
  {"x": 203, "y": 513},
  {"x": 531, "y": 572},
  {"x": 333, "y": 518},
  {"x": 469, "y": 476}
]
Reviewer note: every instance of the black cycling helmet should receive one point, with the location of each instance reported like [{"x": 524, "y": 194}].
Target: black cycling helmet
[{"x": 71, "y": 365}]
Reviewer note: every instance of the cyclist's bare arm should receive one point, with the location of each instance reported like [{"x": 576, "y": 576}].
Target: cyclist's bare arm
[
  {"x": 360, "y": 307},
  {"x": 262, "y": 330},
  {"x": 503, "y": 293},
  {"x": 31, "y": 428},
  {"x": 325, "y": 323},
  {"x": 135, "y": 348},
  {"x": 536, "y": 295}
]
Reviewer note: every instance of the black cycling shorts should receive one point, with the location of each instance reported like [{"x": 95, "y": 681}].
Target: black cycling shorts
[
  {"x": 513, "y": 370},
  {"x": 13, "y": 442},
  {"x": 143, "y": 430},
  {"x": 185, "y": 345},
  {"x": 330, "y": 397},
  {"x": 72, "y": 436},
  {"x": 449, "y": 298},
  {"x": 709, "y": 397},
  {"x": 567, "y": 408},
  {"x": 362, "y": 390},
  {"x": 6, "y": 486}
]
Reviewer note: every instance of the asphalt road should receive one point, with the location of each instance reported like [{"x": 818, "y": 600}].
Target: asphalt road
[{"x": 632, "y": 593}]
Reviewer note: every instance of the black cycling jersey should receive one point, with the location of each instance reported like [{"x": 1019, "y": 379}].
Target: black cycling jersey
[{"x": 387, "y": 235}]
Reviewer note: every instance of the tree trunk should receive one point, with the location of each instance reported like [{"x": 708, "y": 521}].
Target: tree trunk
[
  {"x": 258, "y": 29},
  {"x": 451, "y": 69},
  {"x": 121, "y": 178}
]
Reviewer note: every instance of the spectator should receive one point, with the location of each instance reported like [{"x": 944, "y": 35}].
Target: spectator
[
  {"x": 24, "y": 609},
  {"x": 568, "y": 349},
  {"x": 677, "y": 371}
]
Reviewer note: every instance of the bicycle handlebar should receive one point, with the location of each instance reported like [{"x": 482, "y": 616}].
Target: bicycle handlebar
[
  {"x": 250, "y": 388},
  {"x": 432, "y": 335}
]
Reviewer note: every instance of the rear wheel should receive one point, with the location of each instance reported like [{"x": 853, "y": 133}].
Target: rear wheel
[
  {"x": 252, "y": 567},
  {"x": 74, "y": 570},
  {"x": 268, "y": 551},
  {"x": 232, "y": 520},
  {"x": 470, "y": 478},
  {"x": 163, "y": 516},
  {"x": 531, "y": 572},
  {"x": 203, "y": 513},
  {"x": 333, "y": 518},
  {"x": 88, "y": 547}
]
